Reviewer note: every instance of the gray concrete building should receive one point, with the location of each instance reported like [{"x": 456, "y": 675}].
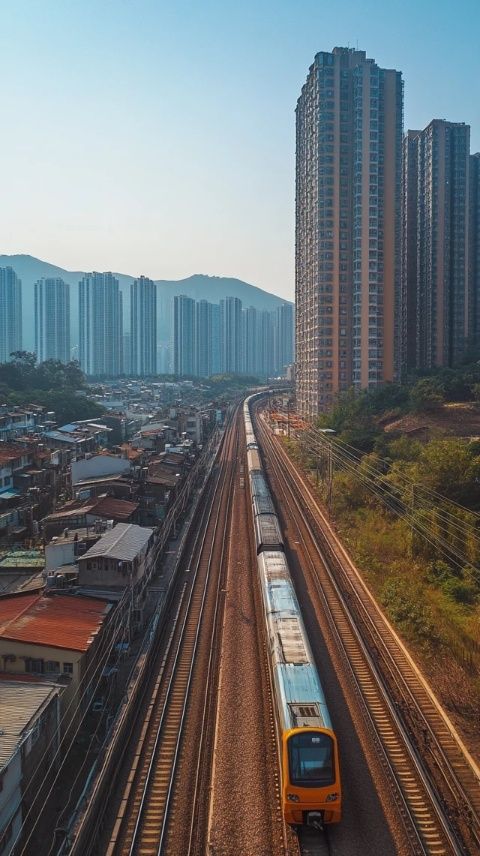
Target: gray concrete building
[
  {"x": 52, "y": 320},
  {"x": 10, "y": 313},
  {"x": 184, "y": 335},
  {"x": 437, "y": 301},
  {"x": 143, "y": 327},
  {"x": 231, "y": 335},
  {"x": 347, "y": 269},
  {"x": 101, "y": 325},
  {"x": 474, "y": 250}
]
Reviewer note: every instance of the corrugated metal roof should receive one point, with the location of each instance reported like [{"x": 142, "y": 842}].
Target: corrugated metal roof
[
  {"x": 59, "y": 621},
  {"x": 19, "y": 705},
  {"x": 123, "y": 542}
]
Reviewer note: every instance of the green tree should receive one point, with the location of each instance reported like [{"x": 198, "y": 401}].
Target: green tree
[{"x": 427, "y": 395}]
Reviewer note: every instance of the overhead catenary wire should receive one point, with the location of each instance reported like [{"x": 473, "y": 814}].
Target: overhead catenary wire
[
  {"x": 359, "y": 455},
  {"x": 356, "y": 455},
  {"x": 393, "y": 506},
  {"x": 449, "y": 519},
  {"x": 442, "y": 546}
]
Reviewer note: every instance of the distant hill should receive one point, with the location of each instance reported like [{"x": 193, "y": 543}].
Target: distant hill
[{"x": 198, "y": 286}]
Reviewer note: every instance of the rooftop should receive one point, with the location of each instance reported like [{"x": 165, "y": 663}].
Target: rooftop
[
  {"x": 60, "y": 621},
  {"x": 123, "y": 542},
  {"x": 19, "y": 705},
  {"x": 105, "y": 506}
]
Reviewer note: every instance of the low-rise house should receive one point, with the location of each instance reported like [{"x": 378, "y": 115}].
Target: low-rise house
[
  {"x": 98, "y": 466},
  {"x": 122, "y": 557},
  {"x": 81, "y": 515},
  {"x": 21, "y": 570},
  {"x": 65, "y": 548},
  {"x": 29, "y": 734},
  {"x": 17, "y": 421},
  {"x": 52, "y": 635}
]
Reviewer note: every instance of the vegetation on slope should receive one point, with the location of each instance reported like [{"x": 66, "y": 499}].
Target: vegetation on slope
[{"x": 409, "y": 513}]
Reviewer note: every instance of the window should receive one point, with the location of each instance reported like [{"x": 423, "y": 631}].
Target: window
[
  {"x": 310, "y": 758},
  {"x": 68, "y": 668},
  {"x": 52, "y": 666}
]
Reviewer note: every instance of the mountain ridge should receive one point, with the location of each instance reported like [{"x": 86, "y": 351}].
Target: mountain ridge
[{"x": 199, "y": 286}]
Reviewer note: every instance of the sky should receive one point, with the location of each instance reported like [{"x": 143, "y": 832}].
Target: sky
[{"x": 159, "y": 137}]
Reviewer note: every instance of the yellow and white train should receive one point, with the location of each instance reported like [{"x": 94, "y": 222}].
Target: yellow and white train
[{"x": 308, "y": 750}]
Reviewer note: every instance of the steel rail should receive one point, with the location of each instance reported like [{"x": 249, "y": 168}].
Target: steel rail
[
  {"x": 417, "y": 797},
  {"x": 181, "y": 641},
  {"x": 210, "y": 672},
  {"x": 121, "y": 816}
]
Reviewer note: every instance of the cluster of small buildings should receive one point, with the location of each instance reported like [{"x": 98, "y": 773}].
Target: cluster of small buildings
[{"x": 80, "y": 527}]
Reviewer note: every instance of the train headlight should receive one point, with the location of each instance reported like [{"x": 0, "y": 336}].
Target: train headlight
[
  {"x": 293, "y": 797},
  {"x": 331, "y": 797}
]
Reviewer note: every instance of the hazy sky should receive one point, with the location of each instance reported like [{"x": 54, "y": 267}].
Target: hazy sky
[{"x": 158, "y": 137}]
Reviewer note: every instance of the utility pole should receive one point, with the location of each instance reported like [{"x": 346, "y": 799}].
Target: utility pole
[
  {"x": 330, "y": 479},
  {"x": 329, "y": 467}
]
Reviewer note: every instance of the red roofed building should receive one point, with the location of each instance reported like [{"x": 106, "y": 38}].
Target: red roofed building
[{"x": 51, "y": 636}]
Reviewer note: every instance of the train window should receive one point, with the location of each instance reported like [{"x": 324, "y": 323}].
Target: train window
[{"x": 310, "y": 758}]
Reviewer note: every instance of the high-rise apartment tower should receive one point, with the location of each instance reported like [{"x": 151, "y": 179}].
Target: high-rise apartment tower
[
  {"x": 231, "y": 334},
  {"x": 474, "y": 248},
  {"x": 10, "y": 313},
  {"x": 101, "y": 325},
  {"x": 143, "y": 330},
  {"x": 52, "y": 320},
  {"x": 348, "y": 178},
  {"x": 437, "y": 311},
  {"x": 184, "y": 335}
]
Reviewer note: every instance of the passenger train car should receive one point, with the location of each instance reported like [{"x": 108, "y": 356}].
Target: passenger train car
[{"x": 308, "y": 751}]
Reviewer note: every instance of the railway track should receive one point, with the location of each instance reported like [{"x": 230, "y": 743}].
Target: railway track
[
  {"x": 148, "y": 807},
  {"x": 394, "y": 699}
]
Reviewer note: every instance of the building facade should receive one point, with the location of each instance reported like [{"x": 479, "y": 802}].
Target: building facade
[
  {"x": 231, "y": 335},
  {"x": 143, "y": 330},
  {"x": 283, "y": 338},
  {"x": 437, "y": 306},
  {"x": 10, "y": 313},
  {"x": 203, "y": 338},
  {"x": 52, "y": 320},
  {"x": 101, "y": 325},
  {"x": 347, "y": 270},
  {"x": 184, "y": 335},
  {"x": 474, "y": 249}
]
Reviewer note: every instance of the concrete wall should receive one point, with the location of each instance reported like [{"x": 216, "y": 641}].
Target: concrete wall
[{"x": 99, "y": 465}]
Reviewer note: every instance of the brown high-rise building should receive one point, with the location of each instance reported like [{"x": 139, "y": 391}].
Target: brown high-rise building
[
  {"x": 436, "y": 294},
  {"x": 348, "y": 184},
  {"x": 474, "y": 249}
]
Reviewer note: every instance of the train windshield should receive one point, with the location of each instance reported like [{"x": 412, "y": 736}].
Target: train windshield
[{"x": 311, "y": 759}]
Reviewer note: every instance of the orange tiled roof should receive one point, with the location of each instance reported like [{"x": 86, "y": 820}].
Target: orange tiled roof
[{"x": 59, "y": 621}]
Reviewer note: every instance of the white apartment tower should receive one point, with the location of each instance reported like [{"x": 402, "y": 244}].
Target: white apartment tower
[
  {"x": 52, "y": 320},
  {"x": 10, "y": 313},
  {"x": 101, "y": 325},
  {"x": 143, "y": 333}
]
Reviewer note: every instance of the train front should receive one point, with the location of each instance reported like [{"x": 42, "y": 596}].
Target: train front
[{"x": 311, "y": 777}]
